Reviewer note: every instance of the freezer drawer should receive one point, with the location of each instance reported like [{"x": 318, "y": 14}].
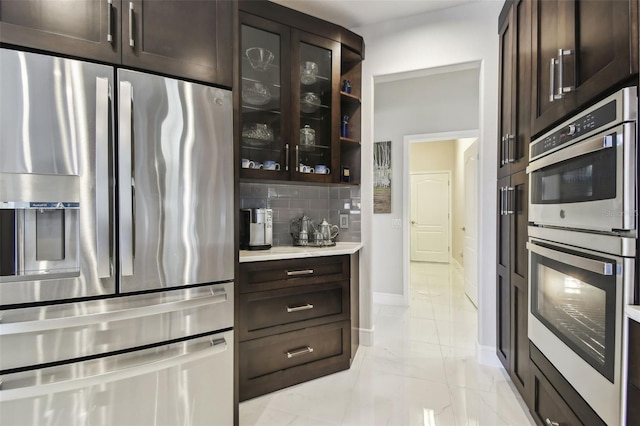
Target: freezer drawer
[
  {"x": 185, "y": 383},
  {"x": 53, "y": 333}
]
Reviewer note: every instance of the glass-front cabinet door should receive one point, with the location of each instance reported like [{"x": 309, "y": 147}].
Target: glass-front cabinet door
[
  {"x": 315, "y": 130},
  {"x": 265, "y": 99}
]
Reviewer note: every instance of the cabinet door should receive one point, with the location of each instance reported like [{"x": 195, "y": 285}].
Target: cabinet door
[
  {"x": 551, "y": 24},
  {"x": 505, "y": 108},
  {"x": 518, "y": 273},
  {"x": 87, "y": 29},
  {"x": 315, "y": 131},
  {"x": 503, "y": 286},
  {"x": 183, "y": 38},
  {"x": 518, "y": 150},
  {"x": 604, "y": 52},
  {"x": 265, "y": 104}
]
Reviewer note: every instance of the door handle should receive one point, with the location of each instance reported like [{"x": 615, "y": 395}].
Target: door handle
[
  {"x": 125, "y": 132},
  {"x": 286, "y": 157},
  {"x": 109, "y": 21},
  {"x": 597, "y": 266},
  {"x": 562, "y": 89},
  {"x": 304, "y": 307},
  {"x": 509, "y": 152},
  {"x": 413, "y": 222},
  {"x": 510, "y": 199},
  {"x": 103, "y": 205},
  {"x": 552, "y": 82},
  {"x": 131, "y": 40}
]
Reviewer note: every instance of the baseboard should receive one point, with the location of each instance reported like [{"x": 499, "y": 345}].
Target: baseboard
[
  {"x": 366, "y": 336},
  {"x": 487, "y": 356},
  {"x": 388, "y": 299}
]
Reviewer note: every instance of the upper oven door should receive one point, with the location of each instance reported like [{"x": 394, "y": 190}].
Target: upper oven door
[{"x": 587, "y": 185}]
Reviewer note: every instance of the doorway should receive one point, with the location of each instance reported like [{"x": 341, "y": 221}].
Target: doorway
[{"x": 461, "y": 249}]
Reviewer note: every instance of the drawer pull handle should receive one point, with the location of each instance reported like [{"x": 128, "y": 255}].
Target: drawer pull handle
[
  {"x": 300, "y": 351},
  {"x": 550, "y": 423},
  {"x": 299, "y": 308},
  {"x": 301, "y": 272}
]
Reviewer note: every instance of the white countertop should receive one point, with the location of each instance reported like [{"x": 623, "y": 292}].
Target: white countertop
[
  {"x": 633, "y": 312},
  {"x": 291, "y": 252}
]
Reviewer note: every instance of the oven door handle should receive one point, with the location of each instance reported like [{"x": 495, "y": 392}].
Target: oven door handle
[
  {"x": 582, "y": 148},
  {"x": 597, "y": 266}
]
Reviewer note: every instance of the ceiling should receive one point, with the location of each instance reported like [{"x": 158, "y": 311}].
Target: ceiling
[{"x": 357, "y": 13}]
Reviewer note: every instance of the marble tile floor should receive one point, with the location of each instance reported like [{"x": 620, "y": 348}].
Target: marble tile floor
[{"x": 421, "y": 370}]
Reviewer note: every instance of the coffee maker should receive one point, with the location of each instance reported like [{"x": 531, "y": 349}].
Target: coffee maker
[{"x": 256, "y": 229}]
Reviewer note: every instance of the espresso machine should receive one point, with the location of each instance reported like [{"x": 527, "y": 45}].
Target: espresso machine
[{"x": 256, "y": 229}]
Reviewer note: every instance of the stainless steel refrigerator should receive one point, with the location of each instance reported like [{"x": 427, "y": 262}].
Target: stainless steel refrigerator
[{"x": 116, "y": 240}]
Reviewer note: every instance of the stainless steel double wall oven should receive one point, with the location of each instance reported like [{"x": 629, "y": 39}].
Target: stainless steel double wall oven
[{"x": 582, "y": 246}]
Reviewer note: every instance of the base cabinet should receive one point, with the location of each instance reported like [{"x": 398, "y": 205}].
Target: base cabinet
[
  {"x": 552, "y": 400},
  {"x": 297, "y": 321}
]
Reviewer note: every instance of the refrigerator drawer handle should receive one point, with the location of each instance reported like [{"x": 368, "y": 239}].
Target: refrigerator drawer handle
[
  {"x": 124, "y": 314},
  {"x": 300, "y": 351},
  {"x": 599, "y": 267},
  {"x": 103, "y": 246},
  {"x": 298, "y": 308},
  {"x": 165, "y": 362},
  {"x": 301, "y": 272}
]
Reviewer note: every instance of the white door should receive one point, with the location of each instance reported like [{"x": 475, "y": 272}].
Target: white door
[
  {"x": 430, "y": 217},
  {"x": 470, "y": 251}
]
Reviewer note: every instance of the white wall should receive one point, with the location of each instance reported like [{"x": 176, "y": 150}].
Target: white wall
[{"x": 464, "y": 34}]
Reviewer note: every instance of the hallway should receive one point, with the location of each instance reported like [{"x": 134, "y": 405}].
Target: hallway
[{"x": 422, "y": 370}]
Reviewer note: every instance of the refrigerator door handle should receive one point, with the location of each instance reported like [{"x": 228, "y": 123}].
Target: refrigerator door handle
[
  {"x": 217, "y": 296},
  {"x": 125, "y": 133},
  {"x": 166, "y": 360},
  {"x": 103, "y": 206}
]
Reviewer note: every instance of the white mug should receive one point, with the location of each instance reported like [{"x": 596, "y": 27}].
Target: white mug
[
  {"x": 271, "y": 165},
  {"x": 256, "y": 165},
  {"x": 322, "y": 169},
  {"x": 305, "y": 169},
  {"x": 247, "y": 164}
]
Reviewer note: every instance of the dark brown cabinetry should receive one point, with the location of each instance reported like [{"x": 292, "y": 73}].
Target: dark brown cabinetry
[
  {"x": 295, "y": 321},
  {"x": 633, "y": 374},
  {"x": 189, "y": 39},
  {"x": 582, "y": 50},
  {"x": 88, "y": 29},
  {"x": 552, "y": 400},
  {"x": 291, "y": 70},
  {"x": 512, "y": 281},
  {"x": 515, "y": 88}
]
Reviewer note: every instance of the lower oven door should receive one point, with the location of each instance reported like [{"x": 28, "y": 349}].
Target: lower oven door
[{"x": 575, "y": 318}]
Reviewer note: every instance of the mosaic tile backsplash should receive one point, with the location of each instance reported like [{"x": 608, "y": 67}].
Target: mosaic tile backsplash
[{"x": 292, "y": 201}]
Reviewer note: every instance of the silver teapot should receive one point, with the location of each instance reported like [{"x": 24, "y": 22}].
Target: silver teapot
[
  {"x": 328, "y": 231},
  {"x": 302, "y": 230}
]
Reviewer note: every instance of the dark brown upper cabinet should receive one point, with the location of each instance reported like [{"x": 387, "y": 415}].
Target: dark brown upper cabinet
[
  {"x": 515, "y": 88},
  {"x": 189, "y": 39},
  {"x": 582, "y": 51},
  {"x": 88, "y": 29},
  {"x": 291, "y": 104}
]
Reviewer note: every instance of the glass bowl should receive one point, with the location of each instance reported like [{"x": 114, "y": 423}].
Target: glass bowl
[
  {"x": 255, "y": 93},
  {"x": 257, "y": 134},
  {"x": 308, "y": 73},
  {"x": 259, "y": 58},
  {"x": 309, "y": 102}
]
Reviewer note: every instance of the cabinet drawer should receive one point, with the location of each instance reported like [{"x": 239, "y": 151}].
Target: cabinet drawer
[
  {"x": 282, "y": 360},
  {"x": 292, "y": 308},
  {"x": 274, "y": 274},
  {"x": 549, "y": 407}
]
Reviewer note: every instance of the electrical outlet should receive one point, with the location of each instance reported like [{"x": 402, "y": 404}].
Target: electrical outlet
[
  {"x": 344, "y": 221},
  {"x": 396, "y": 223}
]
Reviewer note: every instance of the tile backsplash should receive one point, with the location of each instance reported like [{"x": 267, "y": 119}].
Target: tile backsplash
[{"x": 292, "y": 201}]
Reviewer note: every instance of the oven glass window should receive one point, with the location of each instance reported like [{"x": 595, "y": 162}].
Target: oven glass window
[
  {"x": 589, "y": 177},
  {"x": 578, "y": 306}
]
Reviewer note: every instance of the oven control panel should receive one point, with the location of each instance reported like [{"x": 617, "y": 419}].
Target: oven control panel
[{"x": 583, "y": 124}]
